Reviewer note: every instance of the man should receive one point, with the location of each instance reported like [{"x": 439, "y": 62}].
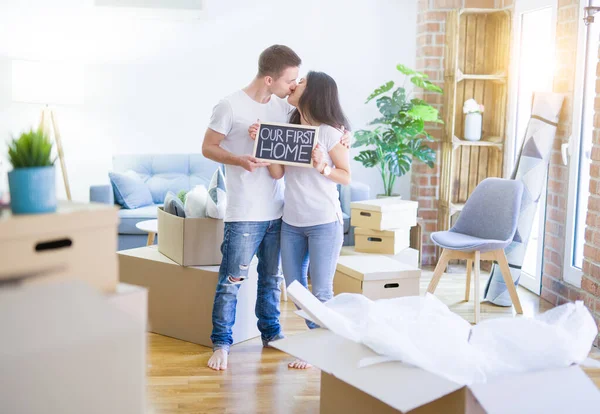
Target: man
[{"x": 254, "y": 199}]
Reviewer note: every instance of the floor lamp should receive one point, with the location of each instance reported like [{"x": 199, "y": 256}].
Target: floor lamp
[
  {"x": 47, "y": 121},
  {"x": 49, "y": 83}
]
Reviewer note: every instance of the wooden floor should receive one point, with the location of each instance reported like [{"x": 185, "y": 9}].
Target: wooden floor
[{"x": 258, "y": 380}]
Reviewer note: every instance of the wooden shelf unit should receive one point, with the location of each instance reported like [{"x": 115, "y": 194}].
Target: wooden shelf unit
[{"x": 476, "y": 66}]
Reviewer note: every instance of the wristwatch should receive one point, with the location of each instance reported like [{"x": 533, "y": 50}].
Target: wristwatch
[{"x": 326, "y": 170}]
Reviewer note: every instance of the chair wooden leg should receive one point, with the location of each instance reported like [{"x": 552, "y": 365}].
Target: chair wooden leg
[
  {"x": 439, "y": 271},
  {"x": 510, "y": 284},
  {"x": 476, "y": 281},
  {"x": 468, "y": 287}
]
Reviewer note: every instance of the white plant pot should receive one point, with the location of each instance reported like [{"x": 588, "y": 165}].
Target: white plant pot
[{"x": 473, "y": 126}]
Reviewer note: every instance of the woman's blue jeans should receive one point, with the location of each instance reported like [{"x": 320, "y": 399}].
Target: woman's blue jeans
[{"x": 313, "y": 249}]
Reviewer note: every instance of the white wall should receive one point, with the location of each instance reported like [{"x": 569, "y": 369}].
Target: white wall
[{"x": 150, "y": 84}]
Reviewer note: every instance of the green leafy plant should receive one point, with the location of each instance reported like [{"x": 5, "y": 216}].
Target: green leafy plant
[
  {"x": 31, "y": 149},
  {"x": 399, "y": 135}
]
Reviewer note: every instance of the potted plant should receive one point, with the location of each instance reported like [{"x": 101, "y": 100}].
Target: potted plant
[
  {"x": 32, "y": 182},
  {"x": 400, "y": 132}
]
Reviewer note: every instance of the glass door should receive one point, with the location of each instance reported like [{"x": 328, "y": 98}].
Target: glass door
[{"x": 532, "y": 71}]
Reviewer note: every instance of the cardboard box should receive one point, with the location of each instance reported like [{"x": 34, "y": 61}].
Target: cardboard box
[
  {"x": 408, "y": 256},
  {"x": 66, "y": 350},
  {"x": 132, "y": 300},
  {"x": 190, "y": 241},
  {"x": 355, "y": 379},
  {"x": 384, "y": 214},
  {"x": 180, "y": 299},
  {"x": 376, "y": 277},
  {"x": 381, "y": 242},
  {"x": 393, "y": 387},
  {"x": 78, "y": 241}
]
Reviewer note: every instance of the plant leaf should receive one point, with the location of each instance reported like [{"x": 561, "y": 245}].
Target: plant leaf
[
  {"x": 425, "y": 113},
  {"x": 368, "y": 158},
  {"x": 382, "y": 89},
  {"x": 405, "y": 70},
  {"x": 387, "y": 106}
]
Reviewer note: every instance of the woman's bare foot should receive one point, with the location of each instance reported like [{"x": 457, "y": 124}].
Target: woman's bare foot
[
  {"x": 299, "y": 364},
  {"x": 218, "y": 360}
]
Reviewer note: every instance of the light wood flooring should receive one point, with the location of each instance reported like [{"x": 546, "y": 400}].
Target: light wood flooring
[{"x": 258, "y": 380}]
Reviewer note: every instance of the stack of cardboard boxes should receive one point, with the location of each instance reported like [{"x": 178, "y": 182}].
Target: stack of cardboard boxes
[
  {"x": 67, "y": 322},
  {"x": 381, "y": 264},
  {"x": 181, "y": 275}
]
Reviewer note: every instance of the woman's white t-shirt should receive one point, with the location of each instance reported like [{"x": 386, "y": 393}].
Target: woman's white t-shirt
[{"x": 310, "y": 198}]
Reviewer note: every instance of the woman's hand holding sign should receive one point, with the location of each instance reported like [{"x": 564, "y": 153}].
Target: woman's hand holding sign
[{"x": 317, "y": 158}]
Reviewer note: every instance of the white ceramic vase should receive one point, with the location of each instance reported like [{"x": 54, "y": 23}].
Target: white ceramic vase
[{"x": 473, "y": 126}]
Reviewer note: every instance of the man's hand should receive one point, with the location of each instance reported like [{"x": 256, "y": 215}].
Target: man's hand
[
  {"x": 249, "y": 163},
  {"x": 345, "y": 140}
]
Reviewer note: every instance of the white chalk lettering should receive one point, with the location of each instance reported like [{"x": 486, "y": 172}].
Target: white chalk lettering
[
  {"x": 304, "y": 153},
  {"x": 266, "y": 149},
  {"x": 265, "y": 133},
  {"x": 289, "y": 135},
  {"x": 281, "y": 155},
  {"x": 293, "y": 151},
  {"x": 279, "y": 135}
]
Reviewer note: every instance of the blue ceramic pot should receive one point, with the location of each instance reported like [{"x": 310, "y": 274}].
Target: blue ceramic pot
[{"x": 32, "y": 190}]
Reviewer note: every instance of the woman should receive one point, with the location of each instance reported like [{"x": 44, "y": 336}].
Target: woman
[{"x": 313, "y": 228}]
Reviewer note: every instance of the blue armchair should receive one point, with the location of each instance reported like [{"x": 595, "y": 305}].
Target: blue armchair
[{"x": 176, "y": 172}]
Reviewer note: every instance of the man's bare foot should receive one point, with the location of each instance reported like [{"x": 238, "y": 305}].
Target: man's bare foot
[
  {"x": 218, "y": 360},
  {"x": 299, "y": 364}
]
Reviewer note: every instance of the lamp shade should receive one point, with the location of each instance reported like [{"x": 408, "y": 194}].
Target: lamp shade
[{"x": 47, "y": 82}]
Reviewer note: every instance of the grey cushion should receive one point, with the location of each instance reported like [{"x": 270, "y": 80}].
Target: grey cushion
[
  {"x": 129, "y": 218},
  {"x": 457, "y": 241},
  {"x": 173, "y": 205}
]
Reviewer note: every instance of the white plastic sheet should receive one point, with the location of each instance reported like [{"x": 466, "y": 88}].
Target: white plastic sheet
[{"x": 422, "y": 331}]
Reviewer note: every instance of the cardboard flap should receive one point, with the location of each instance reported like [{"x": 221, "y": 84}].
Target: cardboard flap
[
  {"x": 385, "y": 205},
  {"x": 563, "y": 390},
  {"x": 394, "y": 383},
  {"x": 375, "y": 267}
]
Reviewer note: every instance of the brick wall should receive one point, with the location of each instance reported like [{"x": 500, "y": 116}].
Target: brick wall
[
  {"x": 431, "y": 28},
  {"x": 554, "y": 288},
  {"x": 590, "y": 282},
  {"x": 430, "y": 55}
]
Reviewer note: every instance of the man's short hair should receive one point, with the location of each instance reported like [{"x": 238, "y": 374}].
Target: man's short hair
[{"x": 275, "y": 59}]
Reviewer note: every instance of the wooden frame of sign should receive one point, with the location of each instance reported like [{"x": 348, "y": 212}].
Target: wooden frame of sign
[{"x": 278, "y": 135}]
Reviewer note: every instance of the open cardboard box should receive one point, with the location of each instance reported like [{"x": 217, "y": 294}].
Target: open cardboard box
[
  {"x": 190, "y": 241},
  {"x": 394, "y": 387}
]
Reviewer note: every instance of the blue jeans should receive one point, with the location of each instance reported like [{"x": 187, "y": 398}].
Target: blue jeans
[
  {"x": 241, "y": 241},
  {"x": 314, "y": 248}
]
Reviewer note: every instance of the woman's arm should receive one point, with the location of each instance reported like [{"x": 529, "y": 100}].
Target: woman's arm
[
  {"x": 276, "y": 170},
  {"x": 339, "y": 155}
]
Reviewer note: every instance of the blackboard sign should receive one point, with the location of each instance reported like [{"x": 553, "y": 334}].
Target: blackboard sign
[{"x": 286, "y": 144}]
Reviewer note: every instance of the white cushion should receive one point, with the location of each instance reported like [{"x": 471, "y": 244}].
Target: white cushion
[{"x": 195, "y": 202}]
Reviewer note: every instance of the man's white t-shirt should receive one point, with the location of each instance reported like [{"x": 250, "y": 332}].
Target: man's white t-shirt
[
  {"x": 251, "y": 196},
  {"x": 311, "y": 198}
]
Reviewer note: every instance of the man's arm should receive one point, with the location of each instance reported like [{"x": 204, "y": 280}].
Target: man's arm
[{"x": 211, "y": 149}]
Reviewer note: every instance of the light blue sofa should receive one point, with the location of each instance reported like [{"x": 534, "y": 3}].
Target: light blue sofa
[{"x": 176, "y": 172}]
